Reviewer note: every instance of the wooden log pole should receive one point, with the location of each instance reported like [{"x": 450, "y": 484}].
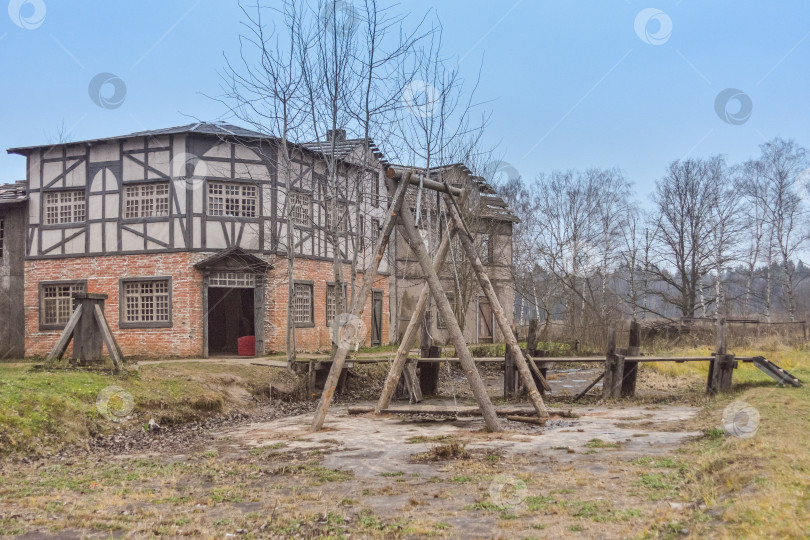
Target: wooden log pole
[
  {"x": 521, "y": 361},
  {"x": 509, "y": 372},
  {"x": 631, "y": 368},
  {"x": 413, "y": 328},
  {"x": 108, "y": 338},
  {"x": 370, "y": 274},
  {"x": 477, "y": 386},
  {"x": 533, "y": 337}
]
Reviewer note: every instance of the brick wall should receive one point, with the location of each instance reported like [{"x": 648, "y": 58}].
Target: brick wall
[
  {"x": 316, "y": 338},
  {"x": 185, "y": 337}
]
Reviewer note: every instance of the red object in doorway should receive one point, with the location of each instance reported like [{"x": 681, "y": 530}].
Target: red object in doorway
[{"x": 247, "y": 346}]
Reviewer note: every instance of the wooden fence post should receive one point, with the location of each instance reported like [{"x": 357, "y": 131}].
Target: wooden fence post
[
  {"x": 614, "y": 367},
  {"x": 509, "y": 376},
  {"x": 721, "y": 369},
  {"x": 631, "y": 368}
]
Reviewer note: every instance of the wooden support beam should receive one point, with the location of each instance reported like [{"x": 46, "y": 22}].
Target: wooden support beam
[
  {"x": 414, "y": 326},
  {"x": 64, "y": 339},
  {"x": 521, "y": 362},
  {"x": 370, "y": 274},
  {"x": 614, "y": 367},
  {"x": 596, "y": 380},
  {"x": 419, "y": 180},
  {"x": 476, "y": 383},
  {"x": 109, "y": 339},
  {"x": 509, "y": 376}
]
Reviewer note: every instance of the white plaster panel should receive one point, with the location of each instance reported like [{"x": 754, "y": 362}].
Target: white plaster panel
[
  {"x": 105, "y": 152},
  {"x": 158, "y": 231},
  {"x": 131, "y": 241},
  {"x": 221, "y": 150},
  {"x": 50, "y": 238},
  {"x": 33, "y": 171},
  {"x": 112, "y": 206},
  {"x": 132, "y": 170},
  {"x": 159, "y": 161},
  {"x": 197, "y": 240},
  {"x": 51, "y": 170},
  {"x": 111, "y": 240},
  {"x": 33, "y": 208},
  {"x": 95, "y": 206},
  {"x": 78, "y": 176},
  {"x": 96, "y": 244},
  {"x": 97, "y": 182},
  {"x": 214, "y": 238}
]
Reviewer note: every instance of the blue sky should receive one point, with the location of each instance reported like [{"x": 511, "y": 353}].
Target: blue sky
[{"x": 570, "y": 83}]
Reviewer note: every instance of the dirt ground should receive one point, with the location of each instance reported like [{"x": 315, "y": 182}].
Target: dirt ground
[{"x": 609, "y": 473}]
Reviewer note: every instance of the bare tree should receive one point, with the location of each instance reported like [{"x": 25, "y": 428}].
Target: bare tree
[{"x": 777, "y": 173}]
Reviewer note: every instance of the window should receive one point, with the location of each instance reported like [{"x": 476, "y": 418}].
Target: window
[
  {"x": 486, "y": 249},
  {"x": 336, "y": 221},
  {"x": 146, "y": 302},
  {"x": 375, "y": 233},
  {"x": 147, "y": 200},
  {"x": 64, "y": 207},
  {"x": 56, "y": 303},
  {"x": 301, "y": 208},
  {"x": 232, "y": 279},
  {"x": 331, "y": 301},
  {"x": 302, "y": 304},
  {"x": 231, "y": 200},
  {"x": 375, "y": 190},
  {"x": 2, "y": 236},
  {"x": 440, "y": 322}
]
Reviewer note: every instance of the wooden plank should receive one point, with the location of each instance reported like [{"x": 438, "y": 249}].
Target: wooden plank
[
  {"x": 64, "y": 339},
  {"x": 461, "y": 410},
  {"x": 595, "y": 381}
]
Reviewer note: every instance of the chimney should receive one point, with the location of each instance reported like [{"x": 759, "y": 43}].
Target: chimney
[{"x": 335, "y": 134}]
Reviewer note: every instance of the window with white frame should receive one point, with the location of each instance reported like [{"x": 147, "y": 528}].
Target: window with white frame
[
  {"x": 302, "y": 304},
  {"x": 56, "y": 303},
  {"x": 146, "y": 200},
  {"x": 301, "y": 208},
  {"x": 64, "y": 207},
  {"x": 232, "y": 279},
  {"x": 336, "y": 216},
  {"x": 146, "y": 302},
  {"x": 231, "y": 200}
]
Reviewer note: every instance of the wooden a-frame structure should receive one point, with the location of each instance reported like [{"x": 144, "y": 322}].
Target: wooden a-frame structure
[{"x": 398, "y": 183}]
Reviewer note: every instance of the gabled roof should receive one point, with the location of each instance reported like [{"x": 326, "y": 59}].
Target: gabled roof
[
  {"x": 13, "y": 193},
  {"x": 343, "y": 148},
  {"x": 236, "y": 259},
  {"x": 491, "y": 206},
  {"x": 219, "y": 129}
]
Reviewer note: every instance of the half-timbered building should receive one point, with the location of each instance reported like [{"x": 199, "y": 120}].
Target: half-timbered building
[{"x": 185, "y": 230}]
